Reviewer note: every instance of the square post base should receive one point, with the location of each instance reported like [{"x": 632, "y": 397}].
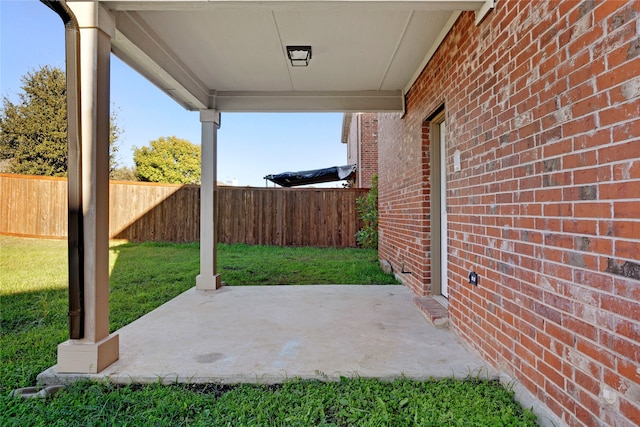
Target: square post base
[
  {"x": 208, "y": 282},
  {"x": 80, "y": 357}
]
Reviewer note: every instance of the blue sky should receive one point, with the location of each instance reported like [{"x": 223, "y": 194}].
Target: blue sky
[{"x": 250, "y": 146}]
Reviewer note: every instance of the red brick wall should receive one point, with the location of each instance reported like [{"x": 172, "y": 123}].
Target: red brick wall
[
  {"x": 403, "y": 200},
  {"x": 543, "y": 101},
  {"x": 363, "y": 147},
  {"x": 369, "y": 148}
]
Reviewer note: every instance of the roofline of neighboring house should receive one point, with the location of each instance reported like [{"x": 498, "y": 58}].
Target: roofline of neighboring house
[{"x": 346, "y": 124}]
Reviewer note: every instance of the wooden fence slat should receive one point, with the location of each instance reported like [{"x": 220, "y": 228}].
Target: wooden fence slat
[{"x": 37, "y": 207}]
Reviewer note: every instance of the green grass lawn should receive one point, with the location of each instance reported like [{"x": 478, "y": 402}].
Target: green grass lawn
[
  {"x": 349, "y": 402},
  {"x": 33, "y": 306}
]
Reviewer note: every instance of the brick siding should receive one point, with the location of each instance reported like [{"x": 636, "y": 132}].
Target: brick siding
[
  {"x": 362, "y": 147},
  {"x": 542, "y": 100}
]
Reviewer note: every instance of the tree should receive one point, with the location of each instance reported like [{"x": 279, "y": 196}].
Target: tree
[
  {"x": 114, "y": 138},
  {"x": 123, "y": 174},
  {"x": 168, "y": 159},
  {"x": 33, "y": 132}
]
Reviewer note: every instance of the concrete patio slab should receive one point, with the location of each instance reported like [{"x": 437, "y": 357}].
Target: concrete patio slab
[{"x": 269, "y": 334}]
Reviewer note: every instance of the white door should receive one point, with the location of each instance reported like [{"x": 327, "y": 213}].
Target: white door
[{"x": 444, "y": 251}]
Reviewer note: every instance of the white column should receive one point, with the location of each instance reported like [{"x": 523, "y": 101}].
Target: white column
[
  {"x": 208, "y": 279},
  {"x": 98, "y": 349}
]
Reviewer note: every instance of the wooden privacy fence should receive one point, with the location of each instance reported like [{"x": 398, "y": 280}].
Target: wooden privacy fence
[{"x": 37, "y": 207}]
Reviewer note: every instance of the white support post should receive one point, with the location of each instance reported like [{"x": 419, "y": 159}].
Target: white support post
[
  {"x": 98, "y": 349},
  {"x": 208, "y": 279}
]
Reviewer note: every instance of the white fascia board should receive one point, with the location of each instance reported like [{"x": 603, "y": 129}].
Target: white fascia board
[
  {"x": 143, "y": 64},
  {"x": 93, "y": 15},
  {"x": 346, "y": 127},
  {"x": 365, "y": 101},
  {"x": 432, "y": 50},
  {"x": 487, "y": 6},
  {"x": 139, "y": 47},
  {"x": 484, "y": 10},
  {"x": 279, "y": 5}
]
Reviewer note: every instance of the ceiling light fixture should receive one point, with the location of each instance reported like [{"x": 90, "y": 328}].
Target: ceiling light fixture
[{"x": 299, "y": 55}]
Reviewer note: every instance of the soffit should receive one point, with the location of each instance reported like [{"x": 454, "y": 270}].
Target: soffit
[{"x": 230, "y": 54}]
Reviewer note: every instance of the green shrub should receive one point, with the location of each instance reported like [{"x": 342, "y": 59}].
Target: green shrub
[{"x": 367, "y": 207}]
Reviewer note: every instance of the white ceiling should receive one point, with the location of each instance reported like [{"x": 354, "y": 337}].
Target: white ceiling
[{"x": 230, "y": 54}]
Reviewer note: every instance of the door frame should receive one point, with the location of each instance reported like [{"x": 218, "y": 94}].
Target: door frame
[{"x": 437, "y": 178}]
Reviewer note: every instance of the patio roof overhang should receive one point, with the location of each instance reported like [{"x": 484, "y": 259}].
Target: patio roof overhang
[
  {"x": 230, "y": 55},
  {"x": 218, "y": 56}
]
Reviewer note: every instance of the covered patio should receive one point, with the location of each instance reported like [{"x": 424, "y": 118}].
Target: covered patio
[
  {"x": 238, "y": 56},
  {"x": 252, "y": 334}
]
